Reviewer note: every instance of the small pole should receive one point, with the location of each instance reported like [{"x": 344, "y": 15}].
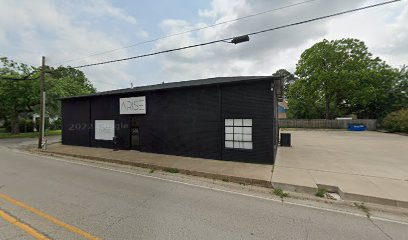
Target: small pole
[{"x": 42, "y": 104}]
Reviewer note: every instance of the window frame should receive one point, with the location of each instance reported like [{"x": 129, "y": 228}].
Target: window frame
[{"x": 246, "y": 129}]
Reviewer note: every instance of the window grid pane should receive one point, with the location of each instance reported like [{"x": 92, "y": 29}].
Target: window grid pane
[
  {"x": 229, "y": 129},
  {"x": 229, "y": 122},
  {"x": 247, "y": 122},
  {"x": 229, "y": 144},
  {"x": 237, "y": 129},
  {"x": 237, "y": 137},
  {"x": 229, "y": 137},
  {"x": 247, "y": 130},
  {"x": 237, "y": 122},
  {"x": 247, "y": 138}
]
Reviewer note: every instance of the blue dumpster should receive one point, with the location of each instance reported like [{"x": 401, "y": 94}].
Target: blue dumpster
[{"x": 356, "y": 127}]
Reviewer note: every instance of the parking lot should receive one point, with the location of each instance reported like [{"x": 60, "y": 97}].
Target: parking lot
[{"x": 368, "y": 165}]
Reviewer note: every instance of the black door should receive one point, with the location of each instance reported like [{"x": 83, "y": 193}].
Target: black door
[{"x": 135, "y": 138}]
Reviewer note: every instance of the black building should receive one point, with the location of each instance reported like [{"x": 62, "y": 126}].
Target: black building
[{"x": 228, "y": 118}]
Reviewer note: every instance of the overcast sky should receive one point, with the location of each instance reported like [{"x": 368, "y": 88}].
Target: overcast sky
[{"x": 66, "y": 30}]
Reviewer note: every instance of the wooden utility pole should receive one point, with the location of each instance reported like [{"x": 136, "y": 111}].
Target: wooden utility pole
[{"x": 42, "y": 104}]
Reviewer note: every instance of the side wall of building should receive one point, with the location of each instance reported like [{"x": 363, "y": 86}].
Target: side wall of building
[
  {"x": 76, "y": 128},
  {"x": 185, "y": 121},
  {"x": 254, "y": 101}
]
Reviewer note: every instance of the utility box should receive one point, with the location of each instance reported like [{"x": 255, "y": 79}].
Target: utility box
[{"x": 285, "y": 140}]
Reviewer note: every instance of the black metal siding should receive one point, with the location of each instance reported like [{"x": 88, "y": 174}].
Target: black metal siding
[
  {"x": 75, "y": 122},
  {"x": 181, "y": 122},
  {"x": 107, "y": 108},
  {"x": 185, "y": 121},
  {"x": 255, "y": 101}
]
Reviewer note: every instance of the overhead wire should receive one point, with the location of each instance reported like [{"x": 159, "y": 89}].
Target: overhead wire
[
  {"x": 248, "y": 34},
  {"x": 185, "y": 32},
  {"x": 26, "y": 77}
]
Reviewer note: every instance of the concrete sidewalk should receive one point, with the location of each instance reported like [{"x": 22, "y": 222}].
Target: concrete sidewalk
[
  {"x": 257, "y": 174},
  {"x": 362, "y": 166}
]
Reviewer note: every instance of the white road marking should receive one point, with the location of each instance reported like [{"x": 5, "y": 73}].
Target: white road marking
[{"x": 216, "y": 189}]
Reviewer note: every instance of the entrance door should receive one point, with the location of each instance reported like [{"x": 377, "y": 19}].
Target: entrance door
[{"x": 135, "y": 138}]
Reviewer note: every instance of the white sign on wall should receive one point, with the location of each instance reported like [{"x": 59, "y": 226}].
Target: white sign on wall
[
  {"x": 104, "y": 129},
  {"x": 132, "y": 105}
]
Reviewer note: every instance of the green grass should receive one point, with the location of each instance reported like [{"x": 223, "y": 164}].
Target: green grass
[
  {"x": 279, "y": 192},
  {"x": 4, "y": 134},
  {"x": 171, "y": 170},
  {"x": 320, "y": 192},
  {"x": 363, "y": 208}
]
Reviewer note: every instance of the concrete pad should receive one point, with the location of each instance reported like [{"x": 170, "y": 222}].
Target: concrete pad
[
  {"x": 395, "y": 188},
  {"x": 293, "y": 179},
  {"x": 234, "y": 171},
  {"x": 365, "y": 166},
  {"x": 353, "y": 187}
]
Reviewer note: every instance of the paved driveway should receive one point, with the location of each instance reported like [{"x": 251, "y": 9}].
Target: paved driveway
[
  {"x": 367, "y": 166},
  {"x": 23, "y": 142}
]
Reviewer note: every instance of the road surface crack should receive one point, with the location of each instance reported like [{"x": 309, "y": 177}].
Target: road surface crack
[{"x": 379, "y": 228}]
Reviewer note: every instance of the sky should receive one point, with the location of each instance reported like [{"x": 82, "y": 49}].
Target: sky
[{"x": 68, "y": 32}]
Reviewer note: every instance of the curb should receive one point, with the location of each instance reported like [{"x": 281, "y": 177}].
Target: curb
[
  {"x": 256, "y": 182},
  {"x": 226, "y": 178},
  {"x": 344, "y": 195}
]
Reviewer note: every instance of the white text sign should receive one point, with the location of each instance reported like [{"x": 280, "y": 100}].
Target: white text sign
[{"x": 133, "y": 105}]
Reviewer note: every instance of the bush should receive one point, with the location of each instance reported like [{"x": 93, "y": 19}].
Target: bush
[
  {"x": 7, "y": 125},
  {"x": 397, "y": 121},
  {"x": 56, "y": 124},
  {"x": 26, "y": 125},
  {"x": 46, "y": 124}
]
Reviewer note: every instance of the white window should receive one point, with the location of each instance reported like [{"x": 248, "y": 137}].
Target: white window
[
  {"x": 238, "y": 133},
  {"x": 104, "y": 129}
]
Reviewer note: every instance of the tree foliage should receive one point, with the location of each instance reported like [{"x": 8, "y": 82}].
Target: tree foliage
[
  {"x": 288, "y": 79},
  {"x": 397, "y": 121},
  {"x": 20, "y": 99},
  {"x": 341, "y": 77}
]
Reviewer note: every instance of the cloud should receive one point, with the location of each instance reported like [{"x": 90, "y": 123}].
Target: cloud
[
  {"x": 70, "y": 29},
  {"x": 66, "y": 30},
  {"x": 266, "y": 53},
  {"x": 383, "y": 29},
  {"x": 104, "y": 8}
]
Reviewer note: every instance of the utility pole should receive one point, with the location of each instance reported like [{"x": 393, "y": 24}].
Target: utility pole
[{"x": 42, "y": 104}]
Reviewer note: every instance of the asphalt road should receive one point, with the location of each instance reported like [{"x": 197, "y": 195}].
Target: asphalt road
[{"x": 64, "y": 200}]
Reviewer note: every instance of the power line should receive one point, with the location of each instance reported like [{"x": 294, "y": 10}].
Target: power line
[
  {"x": 248, "y": 34},
  {"x": 185, "y": 32},
  {"x": 22, "y": 78},
  {"x": 18, "y": 79}
]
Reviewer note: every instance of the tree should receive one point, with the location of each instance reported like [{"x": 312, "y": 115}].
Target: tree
[
  {"x": 20, "y": 99},
  {"x": 341, "y": 77},
  {"x": 63, "y": 82},
  {"x": 398, "y": 95},
  {"x": 16, "y": 97},
  {"x": 302, "y": 102},
  {"x": 288, "y": 79}
]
